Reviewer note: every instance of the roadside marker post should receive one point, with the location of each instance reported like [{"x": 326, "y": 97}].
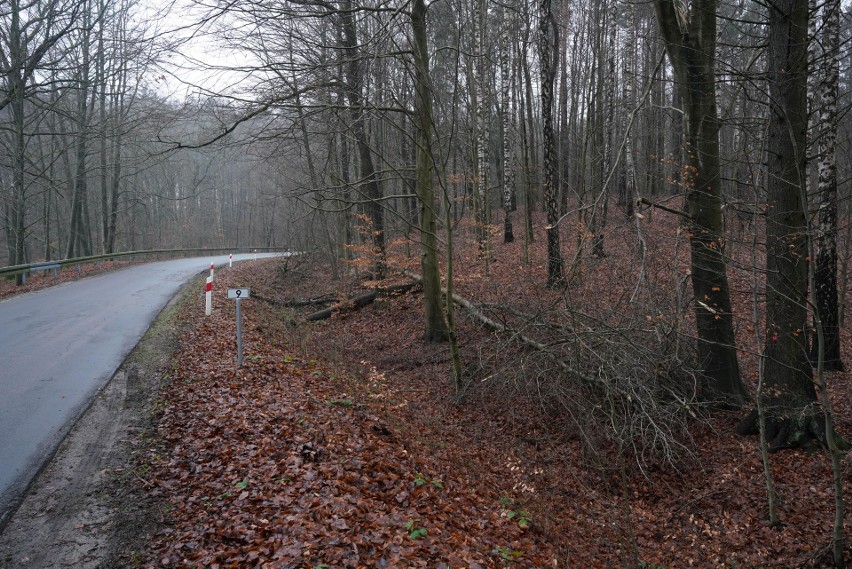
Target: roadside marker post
[
  {"x": 211, "y": 270},
  {"x": 255, "y": 254},
  {"x": 230, "y": 260},
  {"x": 208, "y": 293},
  {"x": 238, "y": 294}
]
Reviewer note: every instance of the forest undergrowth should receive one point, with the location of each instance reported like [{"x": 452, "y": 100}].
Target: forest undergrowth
[{"x": 345, "y": 442}]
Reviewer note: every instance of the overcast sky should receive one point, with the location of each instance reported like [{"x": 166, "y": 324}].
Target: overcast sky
[{"x": 197, "y": 62}]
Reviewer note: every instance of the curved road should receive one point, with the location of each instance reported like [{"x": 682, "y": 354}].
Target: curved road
[{"x": 59, "y": 345}]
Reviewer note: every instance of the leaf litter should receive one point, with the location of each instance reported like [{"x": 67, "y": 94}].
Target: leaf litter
[{"x": 343, "y": 444}]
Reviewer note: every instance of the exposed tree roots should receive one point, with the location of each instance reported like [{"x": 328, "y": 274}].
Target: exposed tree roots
[{"x": 805, "y": 431}]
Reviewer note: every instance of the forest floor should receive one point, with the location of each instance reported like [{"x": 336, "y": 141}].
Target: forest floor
[{"x": 344, "y": 442}]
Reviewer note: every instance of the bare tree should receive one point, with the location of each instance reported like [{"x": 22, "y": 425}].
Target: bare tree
[
  {"x": 792, "y": 417},
  {"x": 354, "y": 84},
  {"x": 689, "y": 32},
  {"x": 601, "y": 208},
  {"x": 826, "y": 261},
  {"x": 29, "y": 33},
  {"x": 548, "y": 52},
  {"x": 80, "y": 239},
  {"x": 508, "y": 124},
  {"x": 480, "y": 109},
  {"x": 436, "y": 326}
]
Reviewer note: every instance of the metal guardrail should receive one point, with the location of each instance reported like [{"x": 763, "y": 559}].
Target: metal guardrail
[{"x": 44, "y": 265}]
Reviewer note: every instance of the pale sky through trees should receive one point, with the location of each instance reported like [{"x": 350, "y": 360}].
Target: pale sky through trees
[{"x": 196, "y": 60}]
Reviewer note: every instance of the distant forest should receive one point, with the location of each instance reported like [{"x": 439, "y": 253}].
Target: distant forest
[{"x": 312, "y": 120}]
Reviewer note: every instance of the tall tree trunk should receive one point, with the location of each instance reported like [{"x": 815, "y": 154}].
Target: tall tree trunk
[
  {"x": 658, "y": 126},
  {"x": 100, "y": 88},
  {"x": 629, "y": 191},
  {"x": 16, "y": 82},
  {"x": 676, "y": 153},
  {"x": 792, "y": 418},
  {"x": 119, "y": 84},
  {"x": 48, "y": 197},
  {"x": 532, "y": 154},
  {"x": 508, "y": 127},
  {"x": 369, "y": 179},
  {"x": 564, "y": 153},
  {"x": 547, "y": 43},
  {"x": 601, "y": 206},
  {"x": 690, "y": 39},
  {"x": 482, "y": 131},
  {"x": 436, "y": 327},
  {"x": 78, "y": 242},
  {"x": 826, "y": 262},
  {"x": 120, "y": 113},
  {"x": 7, "y": 229},
  {"x": 576, "y": 106},
  {"x": 525, "y": 153},
  {"x": 344, "y": 221}
]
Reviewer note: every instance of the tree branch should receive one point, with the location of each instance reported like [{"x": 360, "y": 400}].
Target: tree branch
[{"x": 664, "y": 208}]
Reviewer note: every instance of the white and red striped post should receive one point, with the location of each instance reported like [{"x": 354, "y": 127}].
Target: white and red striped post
[
  {"x": 208, "y": 293},
  {"x": 230, "y": 260},
  {"x": 211, "y": 270},
  {"x": 255, "y": 254}
]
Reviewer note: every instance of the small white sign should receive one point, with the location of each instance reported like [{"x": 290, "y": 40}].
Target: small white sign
[{"x": 236, "y": 293}]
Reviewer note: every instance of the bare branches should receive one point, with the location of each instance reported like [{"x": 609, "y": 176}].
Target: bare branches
[{"x": 662, "y": 207}]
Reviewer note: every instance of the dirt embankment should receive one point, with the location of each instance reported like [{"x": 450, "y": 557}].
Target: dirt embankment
[{"x": 87, "y": 508}]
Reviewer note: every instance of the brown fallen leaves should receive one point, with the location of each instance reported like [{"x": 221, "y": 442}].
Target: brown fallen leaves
[
  {"x": 342, "y": 443},
  {"x": 272, "y": 465}
]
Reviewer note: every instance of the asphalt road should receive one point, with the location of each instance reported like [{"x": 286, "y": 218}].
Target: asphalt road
[{"x": 60, "y": 345}]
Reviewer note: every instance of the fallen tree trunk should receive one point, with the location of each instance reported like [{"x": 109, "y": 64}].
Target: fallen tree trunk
[
  {"x": 295, "y": 303},
  {"x": 493, "y": 324},
  {"x": 646, "y": 403},
  {"x": 358, "y": 302},
  {"x": 535, "y": 344}
]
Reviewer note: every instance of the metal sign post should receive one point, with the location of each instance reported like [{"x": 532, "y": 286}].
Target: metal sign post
[{"x": 238, "y": 294}]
